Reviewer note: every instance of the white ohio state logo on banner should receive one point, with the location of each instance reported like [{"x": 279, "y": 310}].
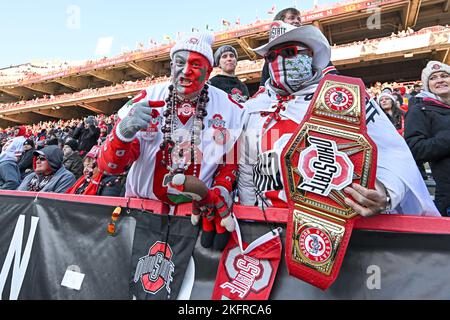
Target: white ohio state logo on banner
[{"x": 246, "y": 273}]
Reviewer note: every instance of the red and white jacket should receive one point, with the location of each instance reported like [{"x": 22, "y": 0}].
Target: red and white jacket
[
  {"x": 145, "y": 178},
  {"x": 262, "y": 143}
]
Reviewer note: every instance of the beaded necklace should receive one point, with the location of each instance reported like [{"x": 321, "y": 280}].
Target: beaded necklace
[{"x": 174, "y": 148}]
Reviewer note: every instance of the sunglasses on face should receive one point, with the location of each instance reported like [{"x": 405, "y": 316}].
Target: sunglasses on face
[
  {"x": 41, "y": 158},
  {"x": 286, "y": 52}
]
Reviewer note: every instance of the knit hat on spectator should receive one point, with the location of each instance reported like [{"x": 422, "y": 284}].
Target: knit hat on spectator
[
  {"x": 93, "y": 153},
  {"x": 221, "y": 51},
  {"x": 73, "y": 144},
  {"x": 90, "y": 121},
  {"x": 29, "y": 142},
  {"x": 196, "y": 42},
  {"x": 40, "y": 144},
  {"x": 433, "y": 67},
  {"x": 388, "y": 95}
]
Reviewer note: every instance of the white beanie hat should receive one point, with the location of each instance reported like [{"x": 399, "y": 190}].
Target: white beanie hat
[
  {"x": 433, "y": 67},
  {"x": 388, "y": 95},
  {"x": 197, "y": 42}
]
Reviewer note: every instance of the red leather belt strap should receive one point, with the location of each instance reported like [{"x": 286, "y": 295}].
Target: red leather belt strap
[{"x": 330, "y": 150}]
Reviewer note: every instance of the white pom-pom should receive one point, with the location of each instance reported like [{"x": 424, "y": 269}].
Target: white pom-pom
[
  {"x": 195, "y": 219},
  {"x": 178, "y": 179},
  {"x": 228, "y": 223}
]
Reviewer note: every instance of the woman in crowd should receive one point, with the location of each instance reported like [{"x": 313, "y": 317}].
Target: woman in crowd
[
  {"x": 390, "y": 107},
  {"x": 427, "y": 130}
]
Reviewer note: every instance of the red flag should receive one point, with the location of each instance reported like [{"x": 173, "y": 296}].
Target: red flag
[
  {"x": 272, "y": 10},
  {"x": 247, "y": 272}
]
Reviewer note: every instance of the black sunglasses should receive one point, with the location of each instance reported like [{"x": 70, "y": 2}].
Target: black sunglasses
[
  {"x": 41, "y": 158},
  {"x": 286, "y": 52}
]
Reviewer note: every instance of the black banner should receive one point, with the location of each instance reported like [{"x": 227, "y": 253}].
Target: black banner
[
  {"x": 58, "y": 250},
  {"x": 46, "y": 241},
  {"x": 163, "y": 246},
  {"x": 377, "y": 265}
]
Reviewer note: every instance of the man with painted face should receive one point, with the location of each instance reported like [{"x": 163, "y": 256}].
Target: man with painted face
[
  {"x": 296, "y": 57},
  {"x": 184, "y": 127}
]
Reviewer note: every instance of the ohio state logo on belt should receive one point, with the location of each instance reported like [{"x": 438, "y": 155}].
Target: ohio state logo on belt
[
  {"x": 323, "y": 167},
  {"x": 329, "y": 151},
  {"x": 339, "y": 98},
  {"x": 246, "y": 274},
  {"x": 156, "y": 269},
  {"x": 315, "y": 244}
]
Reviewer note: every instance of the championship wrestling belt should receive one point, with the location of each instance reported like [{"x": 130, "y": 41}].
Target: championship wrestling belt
[{"x": 330, "y": 151}]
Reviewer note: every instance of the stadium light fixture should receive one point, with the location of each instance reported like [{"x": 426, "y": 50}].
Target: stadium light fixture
[{"x": 408, "y": 55}]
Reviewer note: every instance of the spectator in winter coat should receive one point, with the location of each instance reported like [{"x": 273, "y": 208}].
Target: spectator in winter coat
[
  {"x": 26, "y": 160},
  {"x": 49, "y": 173},
  {"x": 87, "y": 134},
  {"x": 427, "y": 129},
  {"x": 390, "y": 107},
  {"x": 72, "y": 159},
  {"x": 93, "y": 182},
  {"x": 9, "y": 171}
]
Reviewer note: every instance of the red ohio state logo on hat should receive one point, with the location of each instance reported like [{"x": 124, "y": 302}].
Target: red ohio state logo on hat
[
  {"x": 276, "y": 30},
  {"x": 436, "y": 66},
  {"x": 323, "y": 167},
  {"x": 193, "y": 41},
  {"x": 155, "y": 270}
]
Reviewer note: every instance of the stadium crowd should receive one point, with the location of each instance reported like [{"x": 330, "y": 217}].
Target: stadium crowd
[{"x": 61, "y": 156}]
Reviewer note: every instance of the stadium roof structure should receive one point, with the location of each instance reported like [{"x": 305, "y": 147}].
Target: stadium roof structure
[{"x": 393, "y": 48}]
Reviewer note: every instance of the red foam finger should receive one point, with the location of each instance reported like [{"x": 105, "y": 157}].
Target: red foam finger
[{"x": 156, "y": 104}]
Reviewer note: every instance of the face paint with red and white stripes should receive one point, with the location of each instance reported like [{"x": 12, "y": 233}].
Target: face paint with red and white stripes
[
  {"x": 289, "y": 74},
  {"x": 190, "y": 71}
]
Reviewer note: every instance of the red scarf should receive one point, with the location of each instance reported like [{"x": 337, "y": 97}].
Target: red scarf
[
  {"x": 436, "y": 103},
  {"x": 91, "y": 189}
]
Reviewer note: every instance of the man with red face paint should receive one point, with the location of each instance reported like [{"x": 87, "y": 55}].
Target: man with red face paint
[
  {"x": 182, "y": 127},
  {"x": 297, "y": 57}
]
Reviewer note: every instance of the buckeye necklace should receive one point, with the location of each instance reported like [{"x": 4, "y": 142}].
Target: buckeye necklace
[{"x": 171, "y": 143}]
